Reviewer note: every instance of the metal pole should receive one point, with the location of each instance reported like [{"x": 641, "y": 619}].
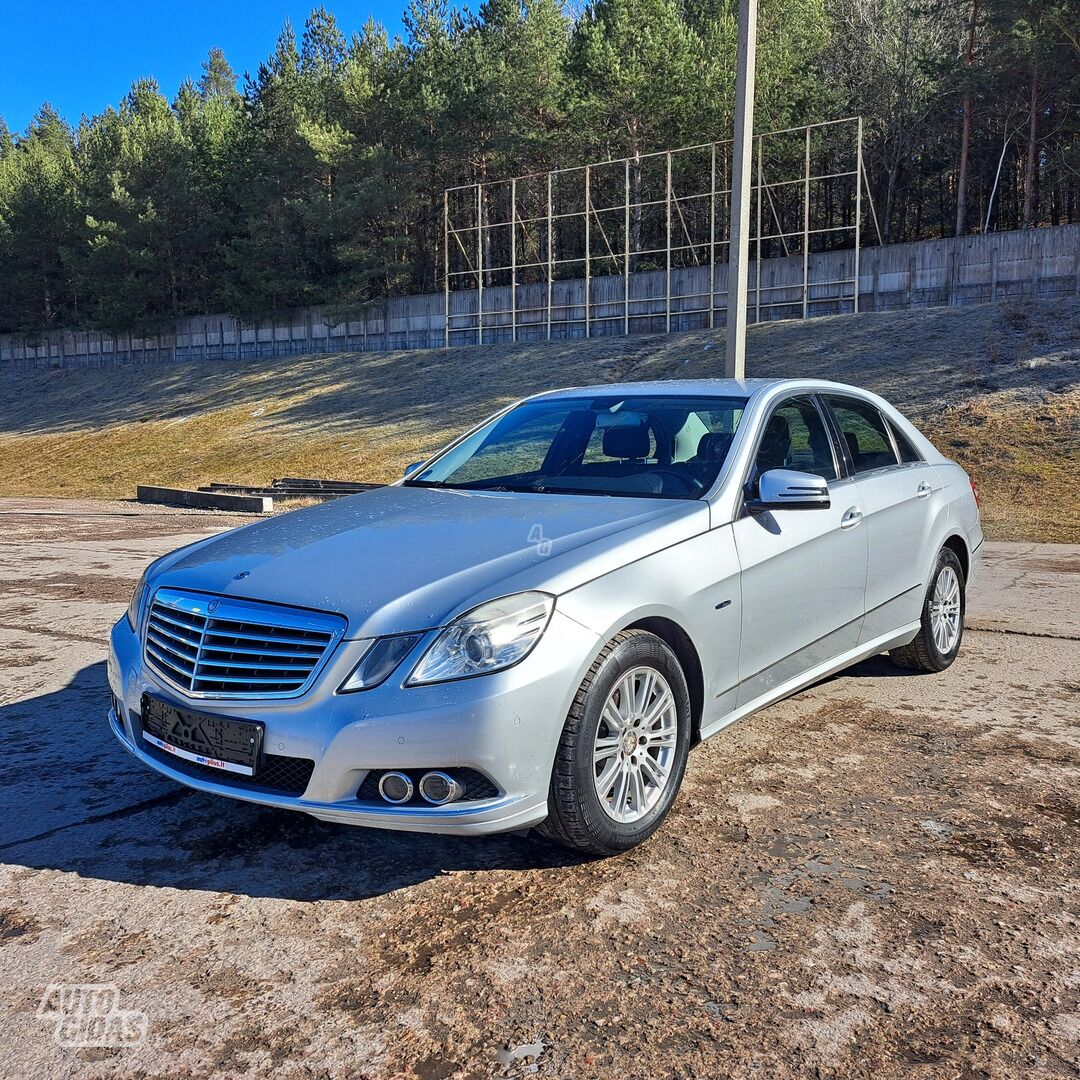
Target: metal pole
[
  {"x": 667, "y": 278},
  {"x": 712, "y": 239},
  {"x": 993, "y": 190},
  {"x": 513, "y": 260},
  {"x": 479, "y": 264},
  {"x": 588, "y": 265},
  {"x": 551, "y": 257},
  {"x": 739, "y": 236},
  {"x": 446, "y": 270},
  {"x": 757, "y": 261},
  {"x": 806, "y": 233},
  {"x": 626, "y": 249},
  {"x": 858, "y": 211}
]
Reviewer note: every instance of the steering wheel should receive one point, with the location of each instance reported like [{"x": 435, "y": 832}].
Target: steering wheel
[{"x": 691, "y": 484}]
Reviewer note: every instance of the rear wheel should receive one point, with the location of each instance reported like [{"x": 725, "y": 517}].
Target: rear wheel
[
  {"x": 623, "y": 749},
  {"x": 942, "y": 624}
]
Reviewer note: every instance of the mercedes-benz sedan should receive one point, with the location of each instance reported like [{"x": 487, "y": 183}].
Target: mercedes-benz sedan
[{"x": 534, "y": 627}]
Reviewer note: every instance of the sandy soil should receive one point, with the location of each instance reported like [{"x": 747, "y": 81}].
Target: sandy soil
[{"x": 876, "y": 878}]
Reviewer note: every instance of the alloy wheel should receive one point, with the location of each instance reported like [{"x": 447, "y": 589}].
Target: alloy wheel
[
  {"x": 634, "y": 747},
  {"x": 945, "y": 610}
]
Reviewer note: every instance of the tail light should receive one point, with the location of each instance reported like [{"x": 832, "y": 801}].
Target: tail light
[{"x": 975, "y": 493}]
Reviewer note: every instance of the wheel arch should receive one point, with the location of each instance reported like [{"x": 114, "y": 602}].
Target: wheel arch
[
  {"x": 958, "y": 546},
  {"x": 680, "y": 643}
]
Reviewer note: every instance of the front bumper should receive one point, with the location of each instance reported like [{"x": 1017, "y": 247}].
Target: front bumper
[{"x": 504, "y": 725}]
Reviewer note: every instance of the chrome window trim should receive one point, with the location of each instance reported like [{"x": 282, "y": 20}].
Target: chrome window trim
[{"x": 260, "y": 613}]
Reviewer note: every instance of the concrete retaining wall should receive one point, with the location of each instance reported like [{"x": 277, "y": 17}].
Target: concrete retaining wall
[{"x": 975, "y": 269}]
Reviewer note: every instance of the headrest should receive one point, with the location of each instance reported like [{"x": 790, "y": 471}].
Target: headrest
[
  {"x": 714, "y": 445},
  {"x": 775, "y": 444},
  {"x": 627, "y": 442}
]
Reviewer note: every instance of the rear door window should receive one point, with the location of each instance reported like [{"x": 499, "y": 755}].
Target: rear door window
[
  {"x": 908, "y": 454},
  {"x": 863, "y": 430}
]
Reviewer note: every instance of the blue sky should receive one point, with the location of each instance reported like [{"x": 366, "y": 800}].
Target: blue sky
[{"x": 83, "y": 56}]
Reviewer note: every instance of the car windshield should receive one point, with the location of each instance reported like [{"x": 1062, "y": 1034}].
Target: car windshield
[{"x": 648, "y": 446}]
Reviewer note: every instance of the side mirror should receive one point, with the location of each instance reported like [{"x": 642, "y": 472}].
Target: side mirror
[
  {"x": 412, "y": 468},
  {"x": 787, "y": 489}
]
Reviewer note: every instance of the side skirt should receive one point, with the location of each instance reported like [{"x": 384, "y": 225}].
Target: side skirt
[{"x": 815, "y": 674}]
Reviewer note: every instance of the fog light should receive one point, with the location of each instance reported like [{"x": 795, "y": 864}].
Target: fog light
[
  {"x": 439, "y": 788},
  {"x": 395, "y": 787}
]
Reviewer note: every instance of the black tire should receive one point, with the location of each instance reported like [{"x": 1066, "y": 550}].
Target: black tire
[
  {"x": 576, "y": 818},
  {"x": 923, "y": 653}
]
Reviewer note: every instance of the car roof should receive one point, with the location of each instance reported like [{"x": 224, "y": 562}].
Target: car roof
[{"x": 694, "y": 388}]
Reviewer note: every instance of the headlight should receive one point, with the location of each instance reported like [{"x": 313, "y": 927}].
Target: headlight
[
  {"x": 488, "y": 638},
  {"x": 379, "y": 660},
  {"x": 135, "y": 603}
]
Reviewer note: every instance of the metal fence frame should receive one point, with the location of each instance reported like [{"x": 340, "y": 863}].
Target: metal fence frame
[{"x": 467, "y": 245}]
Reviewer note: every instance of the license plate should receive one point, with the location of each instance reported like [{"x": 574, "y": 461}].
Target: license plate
[{"x": 216, "y": 741}]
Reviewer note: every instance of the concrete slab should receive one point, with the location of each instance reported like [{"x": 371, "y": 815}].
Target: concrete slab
[
  {"x": 205, "y": 500},
  {"x": 1027, "y": 589}
]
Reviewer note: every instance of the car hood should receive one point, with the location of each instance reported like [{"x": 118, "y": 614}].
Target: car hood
[{"x": 407, "y": 558}]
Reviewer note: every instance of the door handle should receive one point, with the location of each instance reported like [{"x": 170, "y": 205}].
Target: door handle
[
  {"x": 852, "y": 517},
  {"x": 923, "y": 490}
]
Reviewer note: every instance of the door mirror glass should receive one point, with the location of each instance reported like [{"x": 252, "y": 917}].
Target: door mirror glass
[
  {"x": 786, "y": 489},
  {"x": 412, "y": 468}
]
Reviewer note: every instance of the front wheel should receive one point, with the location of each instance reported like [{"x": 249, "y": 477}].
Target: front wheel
[
  {"x": 942, "y": 625},
  {"x": 623, "y": 749}
]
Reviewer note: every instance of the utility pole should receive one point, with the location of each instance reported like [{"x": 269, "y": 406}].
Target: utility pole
[{"x": 742, "y": 150}]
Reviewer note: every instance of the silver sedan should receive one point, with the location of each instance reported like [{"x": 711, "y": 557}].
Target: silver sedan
[{"x": 533, "y": 628}]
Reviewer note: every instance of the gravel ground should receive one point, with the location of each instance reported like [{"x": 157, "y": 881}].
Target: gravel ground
[{"x": 876, "y": 878}]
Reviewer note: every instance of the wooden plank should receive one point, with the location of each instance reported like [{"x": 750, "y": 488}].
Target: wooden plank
[{"x": 205, "y": 500}]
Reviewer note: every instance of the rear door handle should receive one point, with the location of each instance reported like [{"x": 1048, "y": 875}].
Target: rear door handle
[
  {"x": 852, "y": 517},
  {"x": 923, "y": 490}
]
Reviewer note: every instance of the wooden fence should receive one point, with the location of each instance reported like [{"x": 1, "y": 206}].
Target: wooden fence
[{"x": 968, "y": 270}]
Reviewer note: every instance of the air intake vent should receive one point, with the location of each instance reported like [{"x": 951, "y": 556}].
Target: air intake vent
[{"x": 218, "y": 647}]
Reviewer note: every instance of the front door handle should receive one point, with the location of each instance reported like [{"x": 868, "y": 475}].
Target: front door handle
[
  {"x": 923, "y": 490},
  {"x": 852, "y": 517}
]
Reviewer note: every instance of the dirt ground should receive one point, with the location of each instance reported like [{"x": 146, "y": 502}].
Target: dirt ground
[{"x": 876, "y": 878}]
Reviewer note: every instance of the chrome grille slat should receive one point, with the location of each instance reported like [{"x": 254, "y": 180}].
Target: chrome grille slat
[
  {"x": 247, "y": 681},
  {"x": 245, "y": 666},
  {"x": 210, "y": 647},
  {"x": 220, "y": 647},
  {"x": 171, "y": 618},
  {"x": 161, "y": 631},
  {"x": 275, "y": 639},
  {"x": 173, "y": 659}
]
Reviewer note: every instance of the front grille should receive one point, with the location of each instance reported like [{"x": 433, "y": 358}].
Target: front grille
[
  {"x": 285, "y": 775},
  {"x": 219, "y": 647},
  {"x": 476, "y": 784}
]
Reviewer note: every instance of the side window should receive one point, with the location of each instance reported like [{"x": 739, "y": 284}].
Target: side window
[
  {"x": 908, "y": 453},
  {"x": 795, "y": 438},
  {"x": 864, "y": 430}
]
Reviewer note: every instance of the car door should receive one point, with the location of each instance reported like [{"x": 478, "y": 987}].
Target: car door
[
  {"x": 803, "y": 571},
  {"x": 902, "y": 495}
]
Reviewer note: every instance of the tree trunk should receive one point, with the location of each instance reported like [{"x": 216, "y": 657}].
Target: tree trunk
[
  {"x": 1033, "y": 145},
  {"x": 965, "y": 130}
]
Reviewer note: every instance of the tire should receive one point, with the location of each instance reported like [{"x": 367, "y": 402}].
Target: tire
[
  {"x": 935, "y": 651},
  {"x": 578, "y": 817}
]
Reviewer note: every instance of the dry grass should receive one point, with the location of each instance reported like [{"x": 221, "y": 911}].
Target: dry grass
[{"x": 996, "y": 385}]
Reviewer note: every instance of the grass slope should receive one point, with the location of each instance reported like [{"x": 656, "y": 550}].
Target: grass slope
[{"x": 998, "y": 387}]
